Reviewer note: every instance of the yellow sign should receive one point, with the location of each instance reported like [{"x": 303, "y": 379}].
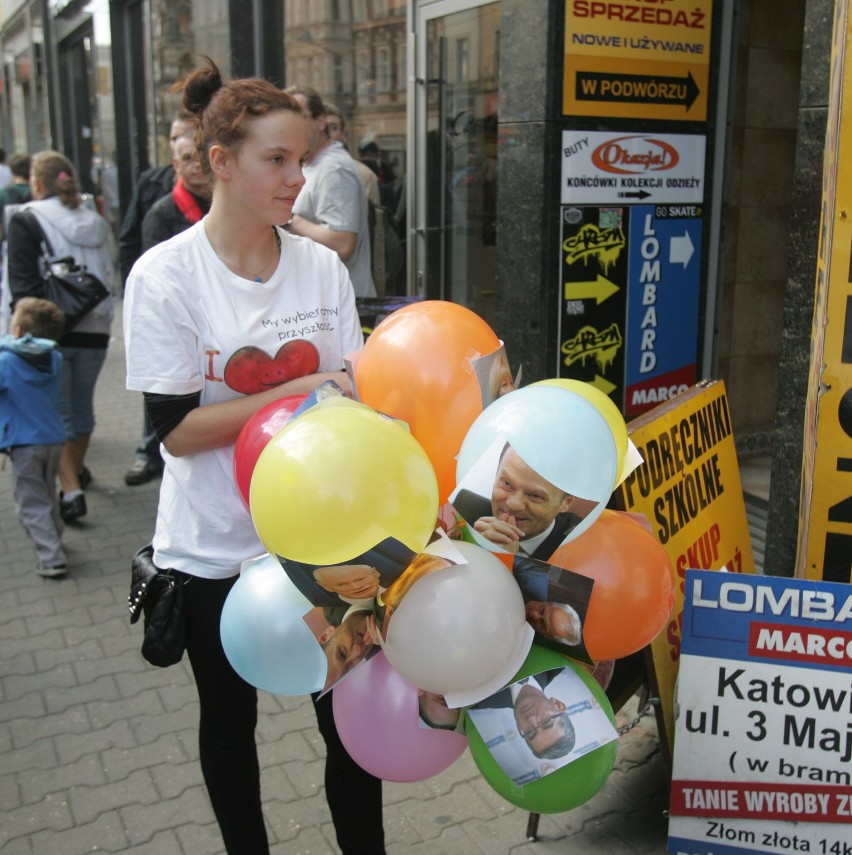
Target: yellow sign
[
  {"x": 825, "y": 536},
  {"x": 637, "y": 60},
  {"x": 690, "y": 490}
]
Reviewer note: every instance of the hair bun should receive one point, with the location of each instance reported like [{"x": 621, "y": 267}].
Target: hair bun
[{"x": 200, "y": 86}]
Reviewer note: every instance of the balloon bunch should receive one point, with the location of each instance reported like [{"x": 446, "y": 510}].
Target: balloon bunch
[{"x": 337, "y": 486}]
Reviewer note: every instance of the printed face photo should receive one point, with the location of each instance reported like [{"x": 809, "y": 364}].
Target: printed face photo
[
  {"x": 434, "y": 712},
  {"x": 556, "y": 602},
  {"x": 541, "y": 723},
  {"x": 355, "y": 582},
  {"x": 510, "y": 507},
  {"x": 344, "y": 635},
  {"x": 494, "y": 375}
]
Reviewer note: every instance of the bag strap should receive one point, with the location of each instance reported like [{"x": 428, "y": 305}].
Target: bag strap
[{"x": 29, "y": 215}]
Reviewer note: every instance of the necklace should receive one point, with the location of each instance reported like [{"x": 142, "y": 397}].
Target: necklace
[{"x": 257, "y": 277}]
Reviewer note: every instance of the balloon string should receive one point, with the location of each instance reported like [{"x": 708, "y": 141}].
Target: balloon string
[{"x": 652, "y": 702}]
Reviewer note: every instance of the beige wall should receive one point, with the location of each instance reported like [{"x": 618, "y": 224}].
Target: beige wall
[{"x": 756, "y": 218}]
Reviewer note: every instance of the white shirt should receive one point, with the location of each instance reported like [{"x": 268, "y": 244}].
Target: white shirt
[{"x": 191, "y": 325}]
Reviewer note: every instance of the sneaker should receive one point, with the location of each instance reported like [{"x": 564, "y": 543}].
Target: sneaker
[
  {"x": 52, "y": 572},
  {"x": 140, "y": 473},
  {"x": 85, "y": 477},
  {"x": 72, "y": 509}
]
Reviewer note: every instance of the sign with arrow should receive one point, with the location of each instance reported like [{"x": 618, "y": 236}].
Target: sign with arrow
[
  {"x": 636, "y": 88},
  {"x": 664, "y": 286},
  {"x": 629, "y": 300},
  {"x": 637, "y": 62},
  {"x": 600, "y": 168}
]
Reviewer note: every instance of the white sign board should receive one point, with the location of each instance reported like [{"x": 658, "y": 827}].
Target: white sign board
[
  {"x": 763, "y": 727},
  {"x": 614, "y": 168}
]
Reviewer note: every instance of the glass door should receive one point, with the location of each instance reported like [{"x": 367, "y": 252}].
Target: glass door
[{"x": 455, "y": 141}]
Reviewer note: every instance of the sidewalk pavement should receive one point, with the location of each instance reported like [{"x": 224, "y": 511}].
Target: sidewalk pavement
[{"x": 99, "y": 749}]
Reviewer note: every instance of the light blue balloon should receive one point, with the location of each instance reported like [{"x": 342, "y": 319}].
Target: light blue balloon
[
  {"x": 559, "y": 434},
  {"x": 263, "y": 634}
]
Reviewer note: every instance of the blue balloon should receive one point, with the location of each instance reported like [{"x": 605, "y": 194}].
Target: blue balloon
[
  {"x": 263, "y": 634},
  {"x": 559, "y": 434}
]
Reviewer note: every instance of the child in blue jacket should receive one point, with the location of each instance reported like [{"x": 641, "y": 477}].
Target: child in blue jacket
[{"x": 31, "y": 432}]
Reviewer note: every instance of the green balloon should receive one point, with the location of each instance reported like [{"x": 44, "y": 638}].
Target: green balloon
[{"x": 566, "y": 788}]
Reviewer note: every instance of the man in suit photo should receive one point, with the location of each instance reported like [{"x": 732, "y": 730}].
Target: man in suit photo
[{"x": 525, "y": 513}]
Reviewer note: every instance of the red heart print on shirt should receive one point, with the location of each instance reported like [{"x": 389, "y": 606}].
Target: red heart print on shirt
[{"x": 250, "y": 369}]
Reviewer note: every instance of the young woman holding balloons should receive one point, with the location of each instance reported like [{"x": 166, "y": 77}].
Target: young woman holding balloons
[{"x": 215, "y": 330}]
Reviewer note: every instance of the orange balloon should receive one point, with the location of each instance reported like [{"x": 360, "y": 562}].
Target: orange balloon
[
  {"x": 415, "y": 366},
  {"x": 634, "y": 588}
]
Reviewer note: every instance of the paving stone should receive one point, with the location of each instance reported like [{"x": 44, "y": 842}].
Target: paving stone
[
  {"x": 89, "y": 802},
  {"x": 119, "y": 763},
  {"x": 36, "y": 784}
]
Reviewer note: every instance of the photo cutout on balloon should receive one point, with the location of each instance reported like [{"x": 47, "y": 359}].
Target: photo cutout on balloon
[
  {"x": 347, "y": 638},
  {"x": 509, "y": 507},
  {"x": 434, "y": 714},
  {"x": 325, "y": 390},
  {"x": 354, "y": 602},
  {"x": 556, "y": 603},
  {"x": 441, "y": 554},
  {"x": 494, "y": 375},
  {"x": 540, "y": 724},
  {"x": 357, "y": 582}
]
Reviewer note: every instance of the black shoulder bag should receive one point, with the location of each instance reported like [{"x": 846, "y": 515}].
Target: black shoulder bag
[
  {"x": 159, "y": 594},
  {"x": 66, "y": 283}
]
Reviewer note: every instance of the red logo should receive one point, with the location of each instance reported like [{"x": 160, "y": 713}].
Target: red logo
[{"x": 635, "y": 154}]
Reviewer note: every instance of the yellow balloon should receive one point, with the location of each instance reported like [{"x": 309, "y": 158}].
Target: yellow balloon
[
  {"x": 605, "y": 406},
  {"x": 338, "y": 480}
]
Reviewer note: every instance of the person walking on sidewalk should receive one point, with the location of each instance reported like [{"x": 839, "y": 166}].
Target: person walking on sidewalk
[
  {"x": 73, "y": 230},
  {"x": 184, "y": 206},
  {"x": 153, "y": 185},
  {"x": 31, "y": 432},
  {"x": 195, "y": 307}
]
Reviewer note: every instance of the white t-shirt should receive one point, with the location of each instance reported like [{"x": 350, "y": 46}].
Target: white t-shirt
[
  {"x": 334, "y": 196},
  {"x": 191, "y": 325}
]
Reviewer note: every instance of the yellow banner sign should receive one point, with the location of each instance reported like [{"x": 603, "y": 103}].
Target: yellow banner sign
[
  {"x": 825, "y": 541},
  {"x": 636, "y": 59},
  {"x": 690, "y": 490}
]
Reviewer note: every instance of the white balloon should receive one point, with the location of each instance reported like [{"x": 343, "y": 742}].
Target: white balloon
[
  {"x": 459, "y": 627},
  {"x": 558, "y": 434}
]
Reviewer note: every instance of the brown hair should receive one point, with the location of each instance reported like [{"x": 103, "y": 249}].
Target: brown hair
[
  {"x": 224, "y": 108},
  {"x": 57, "y": 177},
  {"x": 315, "y": 105},
  {"x": 20, "y": 165},
  {"x": 41, "y": 318}
]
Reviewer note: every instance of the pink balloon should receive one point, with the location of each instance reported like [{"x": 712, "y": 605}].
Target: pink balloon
[
  {"x": 376, "y": 711},
  {"x": 255, "y": 436}
]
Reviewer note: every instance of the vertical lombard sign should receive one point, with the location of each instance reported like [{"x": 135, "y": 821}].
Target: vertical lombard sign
[{"x": 763, "y": 743}]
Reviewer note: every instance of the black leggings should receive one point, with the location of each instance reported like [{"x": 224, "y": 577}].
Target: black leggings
[{"x": 229, "y": 754}]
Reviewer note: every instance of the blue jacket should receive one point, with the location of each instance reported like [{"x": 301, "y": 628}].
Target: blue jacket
[{"x": 29, "y": 392}]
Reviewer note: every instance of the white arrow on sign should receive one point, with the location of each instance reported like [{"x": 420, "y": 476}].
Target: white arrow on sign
[{"x": 681, "y": 250}]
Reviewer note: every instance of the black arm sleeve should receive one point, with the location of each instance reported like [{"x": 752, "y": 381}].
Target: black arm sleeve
[
  {"x": 166, "y": 412},
  {"x": 24, "y": 251}
]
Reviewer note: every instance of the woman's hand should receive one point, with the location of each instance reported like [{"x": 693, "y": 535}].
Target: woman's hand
[{"x": 217, "y": 425}]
